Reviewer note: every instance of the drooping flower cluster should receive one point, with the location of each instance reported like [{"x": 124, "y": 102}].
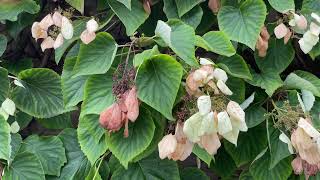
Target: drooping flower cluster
[
  {"x": 119, "y": 113},
  {"x": 310, "y": 37},
  {"x": 40, "y": 29},
  {"x": 207, "y": 77}
]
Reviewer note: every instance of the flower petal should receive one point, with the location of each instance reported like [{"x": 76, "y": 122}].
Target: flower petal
[
  {"x": 183, "y": 151},
  {"x": 314, "y": 29},
  {"x": 245, "y": 104},
  {"x": 232, "y": 136},
  {"x": 224, "y": 88},
  {"x": 8, "y": 106},
  {"x": 302, "y": 23},
  {"x": 57, "y": 18},
  {"x": 14, "y": 127},
  {"x": 224, "y": 123},
  {"x": 305, "y": 46},
  {"x": 46, "y": 22},
  {"x": 92, "y": 25},
  {"x": 315, "y": 17},
  {"x": 66, "y": 28},
  {"x": 167, "y": 146},
  {"x": 132, "y": 104},
  {"x": 208, "y": 124},
  {"x": 205, "y": 61},
  {"x": 310, "y": 38},
  {"x": 204, "y": 105},
  {"x": 47, "y": 43},
  {"x": 192, "y": 127},
  {"x": 4, "y": 114},
  {"x": 58, "y": 42},
  {"x": 297, "y": 165},
  {"x": 210, "y": 143},
  {"x": 235, "y": 111},
  {"x": 87, "y": 37},
  {"x": 284, "y": 138},
  {"x": 37, "y": 32},
  {"x": 308, "y": 128},
  {"x": 280, "y": 31},
  {"x": 220, "y": 74}
]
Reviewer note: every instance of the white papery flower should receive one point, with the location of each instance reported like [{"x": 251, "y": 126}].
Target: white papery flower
[
  {"x": 8, "y": 106},
  {"x": 66, "y": 28},
  {"x": 92, "y": 25},
  {"x": 224, "y": 88},
  {"x": 220, "y": 74}
]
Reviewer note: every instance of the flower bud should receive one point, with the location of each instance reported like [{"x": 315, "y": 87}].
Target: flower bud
[
  {"x": 132, "y": 104},
  {"x": 92, "y": 25},
  {"x": 111, "y": 118},
  {"x": 66, "y": 28}
]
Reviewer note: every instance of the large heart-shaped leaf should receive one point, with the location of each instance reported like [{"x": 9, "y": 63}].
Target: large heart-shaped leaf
[
  {"x": 49, "y": 151},
  {"x": 223, "y": 165},
  {"x": 180, "y": 37},
  {"x": 78, "y": 165},
  {"x": 5, "y": 139},
  {"x": 235, "y": 66},
  {"x": 278, "y": 58},
  {"x": 77, "y": 4},
  {"x": 278, "y": 149},
  {"x": 268, "y": 81},
  {"x": 243, "y": 23},
  {"x": 157, "y": 78},
  {"x": 185, "y": 6},
  {"x": 151, "y": 167},
  {"x": 193, "y": 173},
  {"x": 16, "y": 66},
  {"x": 24, "y": 166},
  {"x": 72, "y": 87},
  {"x": 140, "y": 135},
  {"x": 91, "y": 137},
  {"x": 192, "y": 18},
  {"x": 127, "y": 3},
  {"x": 145, "y": 55},
  {"x": 282, "y": 6},
  {"x": 9, "y": 10},
  {"x": 250, "y": 144},
  {"x": 303, "y": 80},
  {"x": 4, "y": 81},
  {"x": 259, "y": 169},
  {"x": 3, "y": 44},
  {"x": 218, "y": 42},
  {"x": 132, "y": 19},
  {"x": 97, "y": 94},
  {"x": 41, "y": 95},
  {"x": 97, "y": 56},
  {"x": 61, "y": 121}
]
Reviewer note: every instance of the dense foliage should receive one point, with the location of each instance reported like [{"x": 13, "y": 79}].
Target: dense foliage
[{"x": 159, "y": 89}]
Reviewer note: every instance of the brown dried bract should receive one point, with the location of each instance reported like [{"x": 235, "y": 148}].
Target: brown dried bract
[
  {"x": 147, "y": 6},
  {"x": 214, "y": 5},
  {"x": 263, "y": 42}
]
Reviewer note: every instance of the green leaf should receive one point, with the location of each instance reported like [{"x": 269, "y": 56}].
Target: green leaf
[
  {"x": 220, "y": 167},
  {"x": 278, "y": 58},
  {"x": 42, "y": 95},
  {"x": 219, "y": 43},
  {"x": 49, "y": 151},
  {"x": 160, "y": 125},
  {"x": 250, "y": 144},
  {"x": 4, "y": 81},
  {"x": 238, "y": 87},
  {"x": 303, "y": 80},
  {"x": 9, "y": 10},
  {"x": 282, "y": 6},
  {"x": 72, "y": 87},
  {"x": 180, "y": 37},
  {"x": 93, "y": 174},
  {"x": 151, "y": 167},
  {"x": 131, "y": 19},
  {"x": 185, "y": 6},
  {"x": 97, "y": 56},
  {"x": 192, "y": 173},
  {"x": 97, "y": 94},
  {"x": 268, "y": 81},
  {"x": 278, "y": 149},
  {"x": 127, "y": 3},
  {"x": 3, "y": 44},
  {"x": 235, "y": 66},
  {"x": 140, "y": 136},
  {"x": 202, "y": 154},
  {"x": 145, "y": 55},
  {"x": 77, "y": 4},
  {"x": 77, "y": 166},
  {"x": 22, "y": 119},
  {"x": 91, "y": 137},
  {"x": 310, "y": 6},
  {"x": 315, "y": 111},
  {"x": 255, "y": 115},
  {"x": 16, "y": 66},
  {"x": 259, "y": 169},
  {"x": 16, "y": 141},
  {"x": 159, "y": 77},
  {"x": 315, "y": 52},
  {"x": 192, "y": 18},
  {"x": 245, "y": 175},
  {"x": 61, "y": 121},
  {"x": 24, "y": 166},
  {"x": 243, "y": 23},
  {"x": 5, "y": 139}
]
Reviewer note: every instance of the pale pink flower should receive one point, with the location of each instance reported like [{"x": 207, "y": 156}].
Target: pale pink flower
[{"x": 47, "y": 43}]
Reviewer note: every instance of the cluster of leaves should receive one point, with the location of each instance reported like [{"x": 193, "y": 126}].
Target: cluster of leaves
[{"x": 162, "y": 43}]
